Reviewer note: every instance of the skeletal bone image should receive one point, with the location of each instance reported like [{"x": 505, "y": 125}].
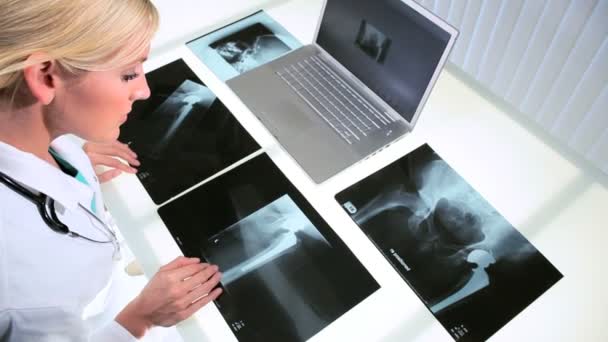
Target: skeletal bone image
[
  {"x": 478, "y": 281},
  {"x": 372, "y": 41},
  {"x": 467, "y": 263},
  {"x": 243, "y": 45},
  {"x": 259, "y": 239},
  {"x": 172, "y": 113},
  {"x": 250, "y": 47},
  {"x": 182, "y": 133},
  {"x": 448, "y": 222},
  {"x": 286, "y": 275}
]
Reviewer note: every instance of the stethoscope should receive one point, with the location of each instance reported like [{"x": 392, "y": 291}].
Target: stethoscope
[{"x": 46, "y": 208}]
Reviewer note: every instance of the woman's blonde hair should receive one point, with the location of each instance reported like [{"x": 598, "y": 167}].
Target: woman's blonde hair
[{"x": 80, "y": 35}]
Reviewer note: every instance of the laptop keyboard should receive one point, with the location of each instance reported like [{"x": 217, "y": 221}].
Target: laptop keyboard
[{"x": 338, "y": 104}]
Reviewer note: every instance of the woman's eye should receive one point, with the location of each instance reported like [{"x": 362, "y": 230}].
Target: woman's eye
[{"x": 129, "y": 77}]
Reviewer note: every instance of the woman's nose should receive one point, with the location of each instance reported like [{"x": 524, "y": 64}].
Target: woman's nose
[{"x": 142, "y": 91}]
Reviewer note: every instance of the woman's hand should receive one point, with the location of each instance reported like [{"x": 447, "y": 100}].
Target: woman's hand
[
  {"x": 176, "y": 291},
  {"x": 106, "y": 155}
]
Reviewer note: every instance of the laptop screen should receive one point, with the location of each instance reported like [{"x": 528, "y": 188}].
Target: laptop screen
[{"x": 388, "y": 45}]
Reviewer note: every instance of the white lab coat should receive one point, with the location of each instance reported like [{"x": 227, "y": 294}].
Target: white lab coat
[{"x": 53, "y": 287}]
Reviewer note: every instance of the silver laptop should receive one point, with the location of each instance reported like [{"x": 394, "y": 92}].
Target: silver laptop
[{"x": 358, "y": 88}]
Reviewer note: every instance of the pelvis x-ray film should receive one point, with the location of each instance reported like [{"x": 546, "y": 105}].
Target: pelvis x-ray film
[
  {"x": 183, "y": 133},
  {"x": 243, "y": 45},
  {"x": 471, "y": 268},
  {"x": 286, "y": 274}
]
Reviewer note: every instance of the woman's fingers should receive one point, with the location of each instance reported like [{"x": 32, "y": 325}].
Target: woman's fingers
[
  {"x": 100, "y": 159},
  {"x": 115, "y": 148},
  {"x": 108, "y": 175},
  {"x": 201, "y": 276},
  {"x": 179, "y": 262},
  {"x": 177, "y": 290},
  {"x": 203, "y": 288},
  {"x": 107, "y": 154},
  {"x": 199, "y": 291},
  {"x": 195, "y": 306},
  {"x": 179, "y": 275},
  {"x": 188, "y": 283}
]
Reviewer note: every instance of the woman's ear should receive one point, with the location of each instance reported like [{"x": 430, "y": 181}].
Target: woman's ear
[{"x": 41, "y": 77}]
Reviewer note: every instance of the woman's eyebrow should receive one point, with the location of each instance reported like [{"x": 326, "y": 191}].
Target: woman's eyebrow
[{"x": 141, "y": 60}]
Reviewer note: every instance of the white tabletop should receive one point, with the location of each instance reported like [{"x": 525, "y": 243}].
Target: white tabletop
[{"x": 559, "y": 205}]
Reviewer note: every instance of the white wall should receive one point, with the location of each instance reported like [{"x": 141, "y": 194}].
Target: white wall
[{"x": 547, "y": 58}]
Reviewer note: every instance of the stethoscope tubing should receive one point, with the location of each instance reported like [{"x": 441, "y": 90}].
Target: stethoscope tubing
[{"x": 46, "y": 207}]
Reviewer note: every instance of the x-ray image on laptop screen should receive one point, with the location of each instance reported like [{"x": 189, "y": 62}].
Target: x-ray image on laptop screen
[
  {"x": 243, "y": 45},
  {"x": 388, "y": 45},
  {"x": 286, "y": 274},
  {"x": 373, "y": 42},
  {"x": 471, "y": 268},
  {"x": 183, "y": 133}
]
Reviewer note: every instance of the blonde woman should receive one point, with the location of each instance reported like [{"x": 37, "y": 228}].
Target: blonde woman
[{"x": 74, "y": 67}]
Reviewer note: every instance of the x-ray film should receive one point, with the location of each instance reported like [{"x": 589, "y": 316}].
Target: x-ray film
[
  {"x": 259, "y": 239},
  {"x": 471, "y": 268},
  {"x": 286, "y": 274},
  {"x": 183, "y": 133},
  {"x": 243, "y": 45}
]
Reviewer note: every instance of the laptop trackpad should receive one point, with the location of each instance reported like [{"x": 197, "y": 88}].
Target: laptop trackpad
[
  {"x": 308, "y": 139},
  {"x": 287, "y": 118},
  {"x": 319, "y": 152}
]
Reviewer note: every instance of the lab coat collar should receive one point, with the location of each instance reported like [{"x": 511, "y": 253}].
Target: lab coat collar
[{"x": 39, "y": 175}]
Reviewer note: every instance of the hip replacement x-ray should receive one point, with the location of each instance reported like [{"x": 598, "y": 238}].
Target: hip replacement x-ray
[
  {"x": 472, "y": 269},
  {"x": 183, "y": 133},
  {"x": 286, "y": 274}
]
